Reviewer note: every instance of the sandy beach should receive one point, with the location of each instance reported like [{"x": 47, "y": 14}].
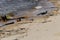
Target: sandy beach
[
  {"x": 41, "y": 31},
  {"x": 48, "y": 30}
]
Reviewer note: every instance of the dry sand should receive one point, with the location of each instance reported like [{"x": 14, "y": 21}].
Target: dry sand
[{"x": 41, "y": 31}]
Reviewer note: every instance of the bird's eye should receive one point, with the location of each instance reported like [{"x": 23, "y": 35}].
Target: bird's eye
[{"x": 43, "y": 13}]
